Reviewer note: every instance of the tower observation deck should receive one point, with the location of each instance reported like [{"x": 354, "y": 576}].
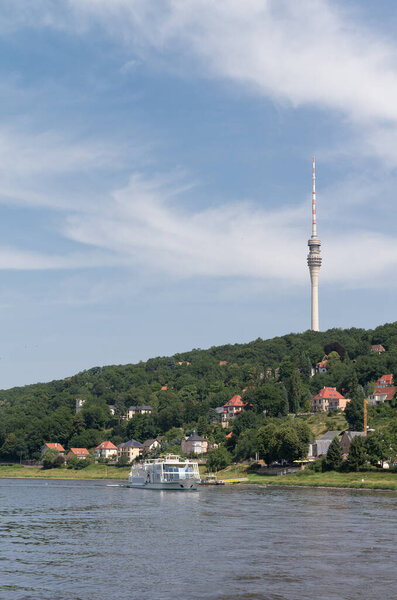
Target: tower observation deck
[{"x": 314, "y": 258}]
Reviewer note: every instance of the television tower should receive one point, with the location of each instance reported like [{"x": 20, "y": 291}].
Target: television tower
[{"x": 314, "y": 258}]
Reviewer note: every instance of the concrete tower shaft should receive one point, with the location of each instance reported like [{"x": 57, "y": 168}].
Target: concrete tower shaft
[{"x": 314, "y": 258}]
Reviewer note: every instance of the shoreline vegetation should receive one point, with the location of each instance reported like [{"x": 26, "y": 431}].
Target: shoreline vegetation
[{"x": 370, "y": 480}]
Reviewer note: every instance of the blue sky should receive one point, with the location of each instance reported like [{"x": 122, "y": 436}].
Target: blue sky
[{"x": 155, "y": 169}]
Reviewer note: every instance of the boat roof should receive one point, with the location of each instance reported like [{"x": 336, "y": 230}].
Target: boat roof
[{"x": 171, "y": 458}]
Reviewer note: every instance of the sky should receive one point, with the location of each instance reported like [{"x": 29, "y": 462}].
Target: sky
[{"x": 155, "y": 175}]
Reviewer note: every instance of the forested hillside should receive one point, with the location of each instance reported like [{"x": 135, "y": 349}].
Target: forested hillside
[{"x": 275, "y": 374}]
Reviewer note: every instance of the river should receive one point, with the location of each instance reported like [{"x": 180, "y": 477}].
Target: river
[{"x": 70, "y": 540}]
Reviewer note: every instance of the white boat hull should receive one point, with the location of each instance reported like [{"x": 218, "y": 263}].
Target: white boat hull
[{"x": 183, "y": 485}]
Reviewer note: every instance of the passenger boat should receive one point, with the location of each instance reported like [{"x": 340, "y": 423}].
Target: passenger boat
[{"x": 168, "y": 473}]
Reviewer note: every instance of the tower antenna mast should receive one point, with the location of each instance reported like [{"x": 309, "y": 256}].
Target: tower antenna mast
[{"x": 314, "y": 257}]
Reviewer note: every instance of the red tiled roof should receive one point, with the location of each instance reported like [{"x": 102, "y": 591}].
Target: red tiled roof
[
  {"x": 55, "y": 446},
  {"x": 106, "y": 446},
  {"x": 79, "y": 451},
  {"x": 222, "y": 363},
  {"x": 322, "y": 364},
  {"x": 329, "y": 393},
  {"x": 385, "y": 380},
  {"x": 377, "y": 348},
  {"x": 164, "y": 388},
  {"x": 389, "y": 392},
  {"x": 235, "y": 401},
  {"x": 229, "y": 435}
]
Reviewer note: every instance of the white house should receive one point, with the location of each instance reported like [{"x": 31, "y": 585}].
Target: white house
[
  {"x": 138, "y": 410},
  {"x": 150, "y": 446},
  {"x": 105, "y": 450}
]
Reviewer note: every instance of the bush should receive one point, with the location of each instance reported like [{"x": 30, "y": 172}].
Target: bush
[
  {"x": 52, "y": 459},
  {"x": 78, "y": 463},
  {"x": 218, "y": 459},
  {"x": 123, "y": 461}
]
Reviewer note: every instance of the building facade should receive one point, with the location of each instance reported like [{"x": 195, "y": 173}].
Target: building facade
[{"x": 194, "y": 444}]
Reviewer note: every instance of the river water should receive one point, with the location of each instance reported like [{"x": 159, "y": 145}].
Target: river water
[{"x": 69, "y": 540}]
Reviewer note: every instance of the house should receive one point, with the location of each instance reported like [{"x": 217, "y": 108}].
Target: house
[
  {"x": 381, "y": 394},
  {"x": 384, "y": 381},
  {"x": 79, "y": 404},
  {"x": 222, "y": 363},
  {"x": 320, "y": 446},
  {"x": 194, "y": 444},
  {"x": 346, "y": 438},
  {"x": 112, "y": 409},
  {"x": 321, "y": 367},
  {"x": 164, "y": 388},
  {"x": 328, "y": 399},
  {"x": 105, "y": 450},
  {"x": 131, "y": 449},
  {"x": 138, "y": 410},
  {"x": 233, "y": 407},
  {"x": 377, "y": 348},
  {"x": 151, "y": 445},
  {"x": 81, "y": 453},
  {"x": 53, "y": 446}
]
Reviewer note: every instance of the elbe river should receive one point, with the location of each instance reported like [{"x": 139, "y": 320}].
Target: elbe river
[{"x": 69, "y": 540}]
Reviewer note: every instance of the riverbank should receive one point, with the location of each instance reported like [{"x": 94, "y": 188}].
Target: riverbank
[
  {"x": 94, "y": 471},
  {"x": 372, "y": 480}
]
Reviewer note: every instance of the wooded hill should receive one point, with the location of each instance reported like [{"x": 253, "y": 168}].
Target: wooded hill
[{"x": 196, "y": 383}]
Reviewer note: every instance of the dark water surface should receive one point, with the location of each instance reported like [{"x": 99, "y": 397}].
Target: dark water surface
[{"x": 68, "y": 540}]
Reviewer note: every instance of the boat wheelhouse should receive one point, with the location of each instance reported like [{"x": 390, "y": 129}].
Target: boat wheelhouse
[{"x": 170, "y": 472}]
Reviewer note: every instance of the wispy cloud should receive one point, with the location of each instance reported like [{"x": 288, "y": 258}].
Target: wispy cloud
[{"x": 146, "y": 226}]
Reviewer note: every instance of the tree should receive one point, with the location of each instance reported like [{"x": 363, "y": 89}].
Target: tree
[
  {"x": 379, "y": 448},
  {"x": 218, "y": 459},
  {"x": 8, "y": 449},
  {"x": 52, "y": 459},
  {"x": 289, "y": 445},
  {"x": 295, "y": 391},
  {"x": 357, "y": 453},
  {"x": 333, "y": 359},
  {"x": 247, "y": 445},
  {"x": 267, "y": 445},
  {"x": 354, "y": 413},
  {"x": 334, "y": 455}
]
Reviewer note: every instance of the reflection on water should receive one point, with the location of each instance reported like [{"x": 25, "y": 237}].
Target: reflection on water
[{"x": 85, "y": 540}]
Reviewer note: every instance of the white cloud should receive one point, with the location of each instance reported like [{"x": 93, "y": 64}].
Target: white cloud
[
  {"x": 306, "y": 53},
  {"x": 147, "y": 228},
  {"x": 15, "y": 259}
]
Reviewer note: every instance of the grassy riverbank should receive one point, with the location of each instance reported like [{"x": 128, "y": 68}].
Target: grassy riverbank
[
  {"x": 374, "y": 479},
  {"x": 97, "y": 471},
  {"x": 380, "y": 480}
]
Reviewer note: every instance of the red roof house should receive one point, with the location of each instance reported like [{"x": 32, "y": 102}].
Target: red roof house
[
  {"x": 233, "y": 407},
  {"x": 382, "y": 394},
  {"x": 321, "y": 367},
  {"x": 105, "y": 450},
  {"x": 378, "y": 348},
  {"x": 77, "y": 453},
  {"x": 384, "y": 381},
  {"x": 328, "y": 399},
  {"x": 53, "y": 446}
]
